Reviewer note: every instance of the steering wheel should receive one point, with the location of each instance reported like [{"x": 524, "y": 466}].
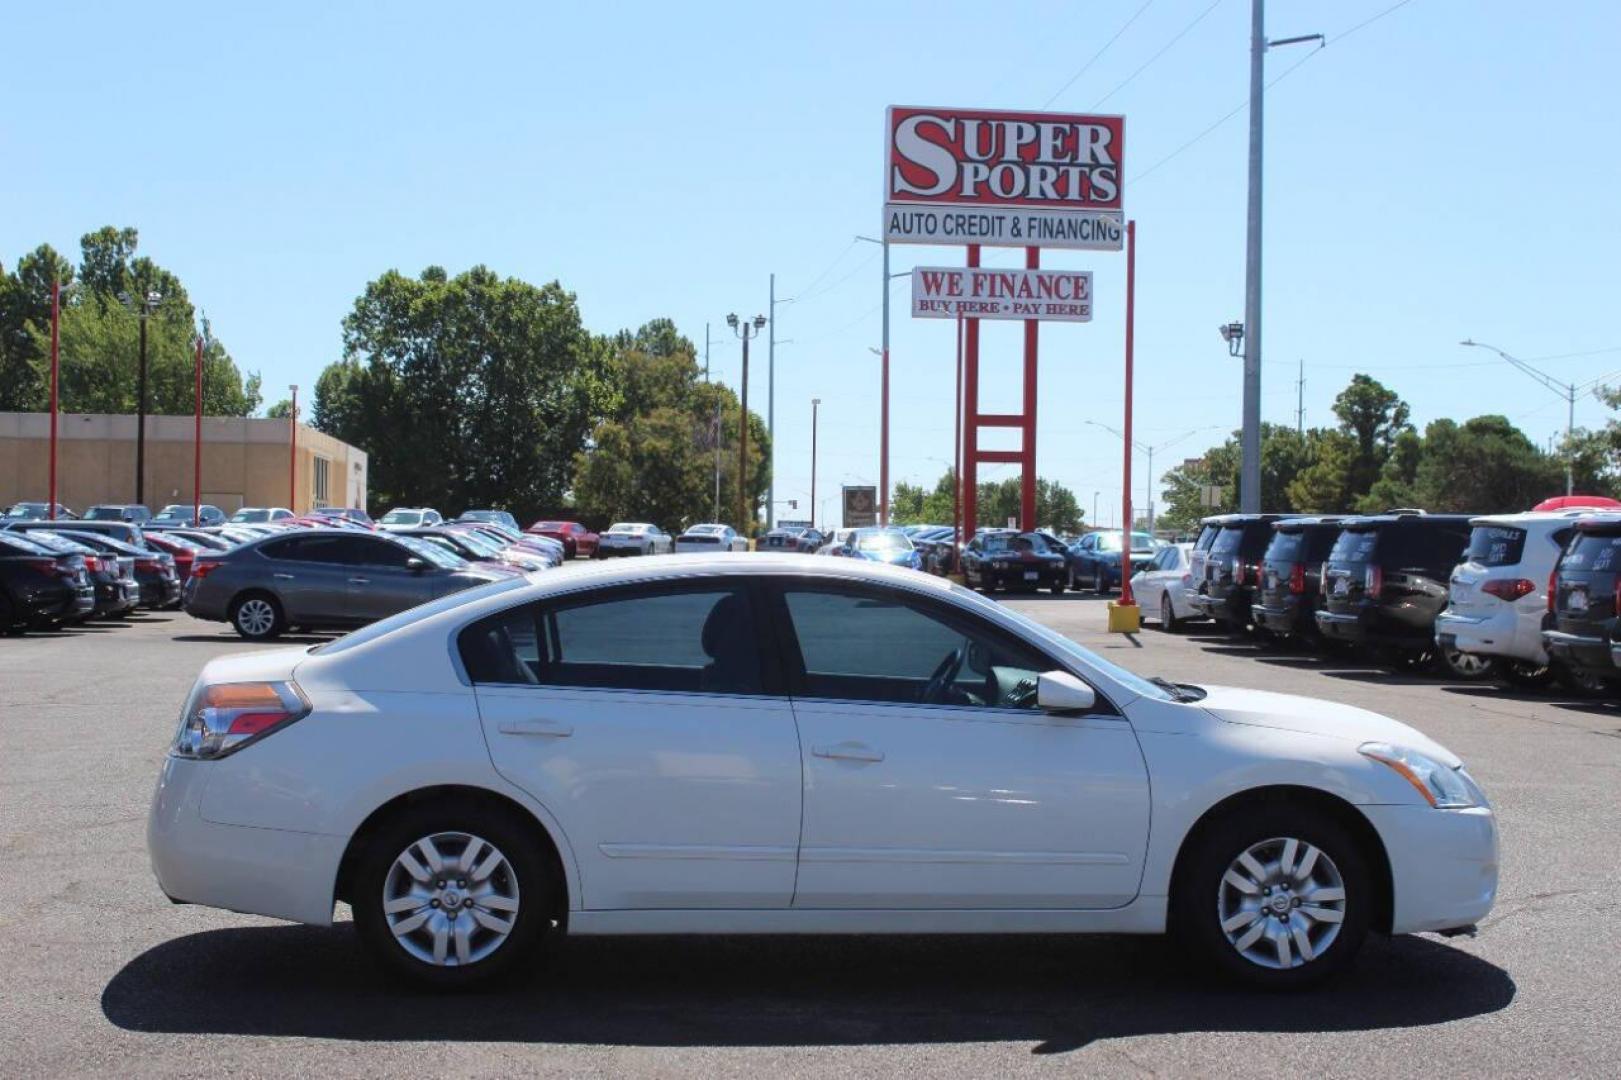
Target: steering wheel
[{"x": 944, "y": 674}]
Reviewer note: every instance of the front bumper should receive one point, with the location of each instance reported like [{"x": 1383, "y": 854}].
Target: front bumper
[
  {"x": 1443, "y": 865},
  {"x": 273, "y": 872}
]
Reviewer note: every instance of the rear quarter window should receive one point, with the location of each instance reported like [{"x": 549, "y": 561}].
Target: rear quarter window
[{"x": 1207, "y": 536}]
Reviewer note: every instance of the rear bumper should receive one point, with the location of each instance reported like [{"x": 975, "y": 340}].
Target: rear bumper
[
  {"x": 1443, "y": 865},
  {"x": 1591, "y": 654},
  {"x": 160, "y": 592},
  {"x": 273, "y": 872},
  {"x": 1286, "y": 618},
  {"x": 1233, "y": 606},
  {"x": 1492, "y": 635},
  {"x": 53, "y": 605}
]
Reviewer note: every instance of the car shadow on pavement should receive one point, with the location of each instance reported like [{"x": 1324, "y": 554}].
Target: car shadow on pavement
[{"x": 1060, "y": 993}]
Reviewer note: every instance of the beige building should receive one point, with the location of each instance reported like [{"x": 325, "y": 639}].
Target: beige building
[{"x": 245, "y": 462}]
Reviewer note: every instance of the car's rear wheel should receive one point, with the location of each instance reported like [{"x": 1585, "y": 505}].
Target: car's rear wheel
[
  {"x": 1278, "y": 896},
  {"x": 257, "y": 616},
  {"x": 1470, "y": 667},
  {"x": 1523, "y": 676},
  {"x": 1058, "y": 588},
  {"x": 1099, "y": 582},
  {"x": 1168, "y": 621},
  {"x": 450, "y": 894}
]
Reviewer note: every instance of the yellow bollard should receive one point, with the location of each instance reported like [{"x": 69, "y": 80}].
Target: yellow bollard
[{"x": 1124, "y": 618}]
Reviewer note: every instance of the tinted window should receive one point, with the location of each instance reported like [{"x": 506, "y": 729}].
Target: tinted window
[
  {"x": 321, "y": 549},
  {"x": 1496, "y": 545},
  {"x": 1207, "y": 536},
  {"x": 1227, "y": 541},
  {"x": 864, "y": 647},
  {"x": 1286, "y": 547},
  {"x": 697, "y": 640},
  {"x": 1354, "y": 546},
  {"x": 1593, "y": 553}
]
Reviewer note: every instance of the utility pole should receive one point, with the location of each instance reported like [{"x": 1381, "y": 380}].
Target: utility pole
[
  {"x": 1250, "y": 474},
  {"x": 815, "y": 404},
  {"x": 148, "y": 304},
  {"x": 716, "y": 429},
  {"x": 745, "y": 520},
  {"x": 1568, "y": 391},
  {"x": 1300, "y": 400}
]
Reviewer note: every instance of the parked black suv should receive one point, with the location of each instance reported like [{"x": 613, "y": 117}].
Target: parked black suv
[
  {"x": 1584, "y": 602},
  {"x": 1291, "y": 576},
  {"x": 1232, "y": 567},
  {"x": 1386, "y": 580}
]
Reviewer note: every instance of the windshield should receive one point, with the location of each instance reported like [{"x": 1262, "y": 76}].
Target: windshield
[
  {"x": 1020, "y": 543},
  {"x": 105, "y": 513},
  {"x": 433, "y": 552},
  {"x": 243, "y": 516},
  {"x": 1285, "y": 547},
  {"x": 402, "y": 517},
  {"x": 1495, "y": 545},
  {"x": 478, "y": 541},
  {"x": 1354, "y": 546},
  {"x": 884, "y": 540}
]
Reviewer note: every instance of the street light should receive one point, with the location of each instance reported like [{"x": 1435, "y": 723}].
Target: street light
[
  {"x": 57, "y": 290},
  {"x": 883, "y": 425},
  {"x": 816, "y": 404},
  {"x": 148, "y": 304},
  {"x": 741, "y": 328},
  {"x": 1568, "y": 391},
  {"x": 1233, "y": 334},
  {"x": 292, "y": 454}
]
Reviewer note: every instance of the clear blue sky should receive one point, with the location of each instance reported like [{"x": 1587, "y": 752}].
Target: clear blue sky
[{"x": 1451, "y": 170}]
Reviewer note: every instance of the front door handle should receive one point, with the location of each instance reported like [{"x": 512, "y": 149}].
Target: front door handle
[
  {"x": 848, "y": 751},
  {"x": 552, "y": 728},
  {"x": 360, "y": 581},
  {"x": 282, "y": 577}
]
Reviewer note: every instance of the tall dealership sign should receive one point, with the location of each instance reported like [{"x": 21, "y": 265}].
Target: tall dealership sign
[
  {"x": 1003, "y": 179},
  {"x": 983, "y": 178}
]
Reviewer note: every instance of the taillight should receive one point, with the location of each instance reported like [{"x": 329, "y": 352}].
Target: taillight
[
  {"x": 1297, "y": 578},
  {"x": 148, "y": 566},
  {"x": 223, "y": 718},
  {"x": 1373, "y": 581},
  {"x": 92, "y": 563},
  {"x": 1553, "y": 588},
  {"x": 1187, "y": 580},
  {"x": 1510, "y": 590},
  {"x": 200, "y": 568}
]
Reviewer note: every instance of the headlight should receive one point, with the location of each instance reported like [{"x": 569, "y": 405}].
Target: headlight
[{"x": 1442, "y": 787}]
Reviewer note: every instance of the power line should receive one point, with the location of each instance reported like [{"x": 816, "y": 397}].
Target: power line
[
  {"x": 836, "y": 260},
  {"x": 808, "y": 294},
  {"x": 1097, "y": 55},
  {"x": 1197, "y": 19}
]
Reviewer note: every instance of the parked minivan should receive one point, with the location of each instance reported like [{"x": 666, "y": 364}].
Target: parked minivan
[
  {"x": 1499, "y": 593},
  {"x": 1386, "y": 580},
  {"x": 1291, "y": 576},
  {"x": 1585, "y": 600}
]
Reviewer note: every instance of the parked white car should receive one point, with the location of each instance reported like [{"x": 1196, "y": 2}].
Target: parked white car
[
  {"x": 409, "y": 517},
  {"x": 1162, "y": 590},
  {"x": 1499, "y": 593},
  {"x": 612, "y": 749},
  {"x": 710, "y": 538},
  {"x": 634, "y": 538}
]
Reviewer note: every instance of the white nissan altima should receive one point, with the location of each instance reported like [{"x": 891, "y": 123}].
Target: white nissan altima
[{"x": 783, "y": 745}]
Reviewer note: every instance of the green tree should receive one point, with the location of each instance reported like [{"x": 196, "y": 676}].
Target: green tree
[
  {"x": 1484, "y": 465},
  {"x": 281, "y": 410},
  {"x": 473, "y": 390}
]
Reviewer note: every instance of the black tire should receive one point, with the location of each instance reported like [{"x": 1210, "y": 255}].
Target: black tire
[
  {"x": 1099, "y": 581},
  {"x": 1406, "y": 661},
  {"x": 8, "y": 616},
  {"x": 539, "y": 893},
  {"x": 1168, "y": 621},
  {"x": 1522, "y": 676},
  {"x": 1058, "y": 588},
  {"x": 1201, "y": 889},
  {"x": 1580, "y": 683},
  {"x": 570, "y": 549},
  {"x": 244, "y": 611}
]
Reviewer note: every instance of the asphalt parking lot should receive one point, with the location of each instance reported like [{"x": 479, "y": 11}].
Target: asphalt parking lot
[{"x": 104, "y": 976}]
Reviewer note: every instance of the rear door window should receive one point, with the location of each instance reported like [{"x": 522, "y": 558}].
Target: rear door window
[{"x": 1496, "y": 545}]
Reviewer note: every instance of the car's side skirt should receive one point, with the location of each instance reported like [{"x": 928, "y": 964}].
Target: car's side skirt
[{"x": 1145, "y": 915}]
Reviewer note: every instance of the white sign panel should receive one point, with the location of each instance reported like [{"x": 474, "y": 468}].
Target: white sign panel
[
  {"x": 1097, "y": 231},
  {"x": 978, "y": 292}
]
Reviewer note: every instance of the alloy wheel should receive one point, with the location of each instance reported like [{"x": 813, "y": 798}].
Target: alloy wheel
[
  {"x": 1281, "y": 903},
  {"x": 1467, "y": 665},
  {"x": 450, "y": 899},
  {"x": 255, "y": 617}
]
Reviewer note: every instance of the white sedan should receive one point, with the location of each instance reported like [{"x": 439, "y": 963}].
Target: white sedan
[
  {"x": 779, "y": 745},
  {"x": 1162, "y": 589},
  {"x": 702, "y": 539},
  {"x": 633, "y": 538}
]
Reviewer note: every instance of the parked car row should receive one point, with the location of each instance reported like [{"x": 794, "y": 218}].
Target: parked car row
[{"x": 1526, "y": 598}]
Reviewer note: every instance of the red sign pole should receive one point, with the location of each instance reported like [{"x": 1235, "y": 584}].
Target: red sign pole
[
  {"x": 197, "y": 443},
  {"x": 56, "y": 337},
  {"x": 1027, "y": 482},
  {"x": 292, "y": 446},
  {"x": 1126, "y": 599},
  {"x": 956, "y": 462}
]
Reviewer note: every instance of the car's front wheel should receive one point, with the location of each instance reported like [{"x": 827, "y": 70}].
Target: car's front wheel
[
  {"x": 1278, "y": 896},
  {"x": 451, "y": 894},
  {"x": 1168, "y": 621}
]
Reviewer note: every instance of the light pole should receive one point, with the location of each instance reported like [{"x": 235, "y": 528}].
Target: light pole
[
  {"x": 1251, "y": 471},
  {"x": 740, "y": 327},
  {"x": 148, "y": 304},
  {"x": 1568, "y": 391},
  {"x": 771, "y": 401},
  {"x": 883, "y": 425},
  {"x": 1144, "y": 448},
  {"x": 716, "y": 429},
  {"x": 56, "y": 368},
  {"x": 292, "y": 454},
  {"x": 197, "y": 441},
  {"x": 816, "y": 403}
]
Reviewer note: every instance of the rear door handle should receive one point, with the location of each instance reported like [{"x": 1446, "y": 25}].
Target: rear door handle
[
  {"x": 282, "y": 577},
  {"x": 848, "y": 751},
  {"x": 360, "y": 581},
  {"x": 553, "y": 728}
]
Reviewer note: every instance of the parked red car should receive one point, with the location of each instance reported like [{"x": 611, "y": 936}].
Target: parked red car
[
  {"x": 182, "y": 549},
  {"x": 577, "y": 540}
]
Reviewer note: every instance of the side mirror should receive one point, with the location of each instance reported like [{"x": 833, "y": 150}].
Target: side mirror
[
  {"x": 415, "y": 565},
  {"x": 1061, "y": 692}
]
